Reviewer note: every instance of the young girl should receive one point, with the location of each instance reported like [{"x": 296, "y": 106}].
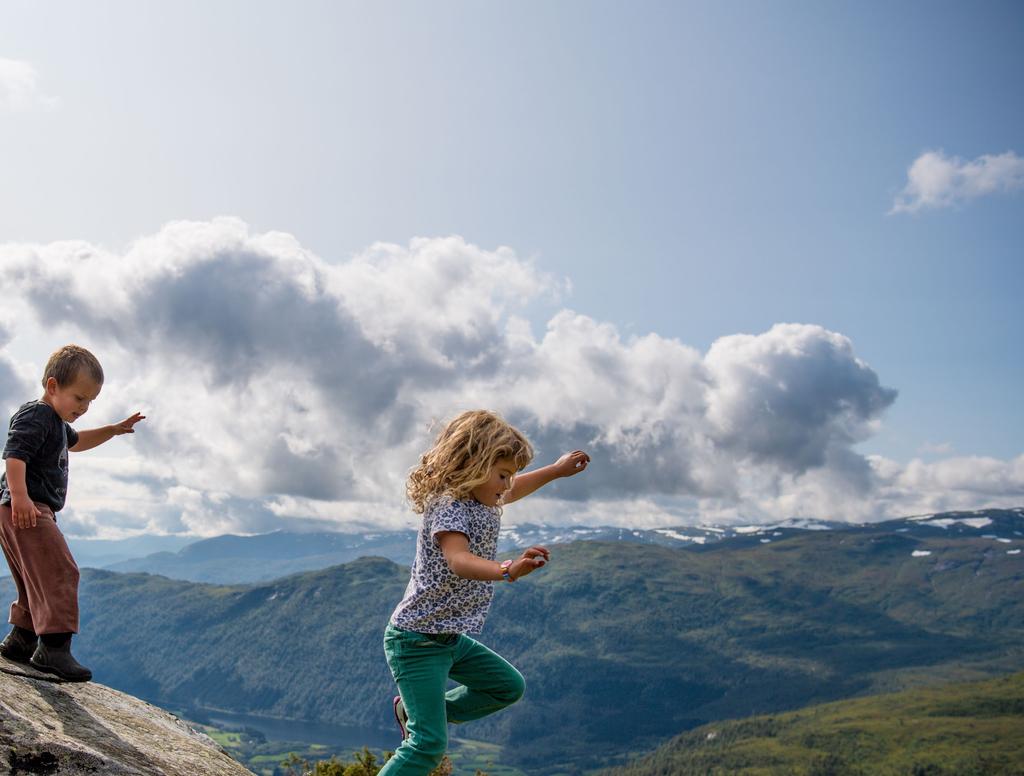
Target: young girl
[{"x": 459, "y": 487}]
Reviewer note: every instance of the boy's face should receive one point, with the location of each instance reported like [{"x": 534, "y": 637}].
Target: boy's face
[
  {"x": 72, "y": 401},
  {"x": 499, "y": 481}
]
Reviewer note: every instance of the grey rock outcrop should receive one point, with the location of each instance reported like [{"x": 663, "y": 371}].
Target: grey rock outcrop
[{"x": 53, "y": 727}]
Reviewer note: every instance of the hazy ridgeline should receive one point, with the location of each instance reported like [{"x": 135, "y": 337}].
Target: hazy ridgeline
[{"x": 623, "y": 645}]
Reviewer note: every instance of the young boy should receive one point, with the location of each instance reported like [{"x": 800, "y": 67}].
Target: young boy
[{"x": 32, "y": 491}]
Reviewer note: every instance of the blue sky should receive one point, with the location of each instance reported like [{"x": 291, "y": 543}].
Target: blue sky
[{"x": 689, "y": 170}]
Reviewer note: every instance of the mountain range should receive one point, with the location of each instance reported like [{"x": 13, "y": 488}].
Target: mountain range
[
  {"x": 233, "y": 559},
  {"x": 623, "y": 644}
]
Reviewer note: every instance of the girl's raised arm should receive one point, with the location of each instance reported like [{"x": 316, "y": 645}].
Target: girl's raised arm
[
  {"x": 526, "y": 483},
  {"x": 465, "y": 564}
]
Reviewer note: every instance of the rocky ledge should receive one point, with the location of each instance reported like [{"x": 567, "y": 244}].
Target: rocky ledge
[{"x": 52, "y": 727}]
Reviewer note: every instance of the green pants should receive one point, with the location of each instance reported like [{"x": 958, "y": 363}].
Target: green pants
[{"x": 422, "y": 664}]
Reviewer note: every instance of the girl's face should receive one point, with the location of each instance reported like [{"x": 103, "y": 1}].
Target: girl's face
[{"x": 500, "y": 480}]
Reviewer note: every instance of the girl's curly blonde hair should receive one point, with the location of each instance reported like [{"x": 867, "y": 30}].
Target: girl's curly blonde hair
[{"x": 463, "y": 455}]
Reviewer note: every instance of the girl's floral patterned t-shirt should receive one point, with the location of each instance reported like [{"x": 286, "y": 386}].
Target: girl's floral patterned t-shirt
[{"x": 436, "y": 599}]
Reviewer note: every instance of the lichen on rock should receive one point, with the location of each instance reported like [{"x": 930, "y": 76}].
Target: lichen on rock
[{"x": 52, "y": 727}]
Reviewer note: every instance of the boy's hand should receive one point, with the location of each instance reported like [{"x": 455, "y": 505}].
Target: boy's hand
[
  {"x": 93, "y": 437},
  {"x": 127, "y": 426},
  {"x": 531, "y": 560},
  {"x": 571, "y": 463},
  {"x": 23, "y": 512}
]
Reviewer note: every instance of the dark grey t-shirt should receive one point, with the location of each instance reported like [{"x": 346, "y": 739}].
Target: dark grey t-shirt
[{"x": 41, "y": 439}]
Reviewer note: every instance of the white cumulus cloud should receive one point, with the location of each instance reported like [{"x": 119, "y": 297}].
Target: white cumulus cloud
[
  {"x": 19, "y": 87},
  {"x": 935, "y": 180},
  {"x": 283, "y": 390},
  {"x": 955, "y": 483}
]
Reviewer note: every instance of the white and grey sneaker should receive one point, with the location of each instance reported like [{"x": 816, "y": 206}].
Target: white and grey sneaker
[{"x": 401, "y": 717}]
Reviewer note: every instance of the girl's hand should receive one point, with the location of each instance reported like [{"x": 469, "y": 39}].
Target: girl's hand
[
  {"x": 531, "y": 560},
  {"x": 571, "y": 463}
]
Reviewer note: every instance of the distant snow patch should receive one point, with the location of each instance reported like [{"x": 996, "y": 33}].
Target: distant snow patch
[
  {"x": 921, "y": 553},
  {"x": 801, "y": 524},
  {"x": 1005, "y": 541},
  {"x": 811, "y": 526},
  {"x": 946, "y": 522},
  {"x": 1013, "y": 552},
  {"x": 977, "y": 522},
  {"x": 766, "y": 541},
  {"x": 673, "y": 534}
]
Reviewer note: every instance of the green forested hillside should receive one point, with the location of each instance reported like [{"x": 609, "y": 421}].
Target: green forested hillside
[
  {"x": 622, "y": 646},
  {"x": 970, "y": 729},
  {"x": 644, "y": 640},
  {"x": 304, "y": 647}
]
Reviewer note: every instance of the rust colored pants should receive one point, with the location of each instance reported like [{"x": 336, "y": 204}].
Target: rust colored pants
[{"x": 44, "y": 572}]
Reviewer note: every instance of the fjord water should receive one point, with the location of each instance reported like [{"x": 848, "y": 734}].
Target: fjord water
[{"x": 335, "y": 737}]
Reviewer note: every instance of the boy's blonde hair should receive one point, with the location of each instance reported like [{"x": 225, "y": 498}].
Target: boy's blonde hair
[
  {"x": 66, "y": 363},
  {"x": 463, "y": 455}
]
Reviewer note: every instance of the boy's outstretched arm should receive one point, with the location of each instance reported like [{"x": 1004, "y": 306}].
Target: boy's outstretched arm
[
  {"x": 91, "y": 437},
  {"x": 526, "y": 483}
]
